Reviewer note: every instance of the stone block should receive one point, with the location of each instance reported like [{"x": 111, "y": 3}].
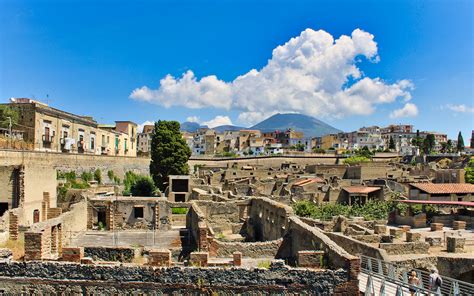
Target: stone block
[
  {"x": 310, "y": 259},
  {"x": 405, "y": 228},
  {"x": 437, "y": 226},
  {"x": 33, "y": 246},
  {"x": 459, "y": 225},
  {"x": 455, "y": 244},
  {"x": 413, "y": 236},
  {"x": 237, "y": 256},
  {"x": 380, "y": 229},
  {"x": 159, "y": 258},
  {"x": 387, "y": 239},
  {"x": 87, "y": 260},
  {"x": 72, "y": 254},
  {"x": 12, "y": 226},
  {"x": 396, "y": 232},
  {"x": 199, "y": 259},
  {"x": 434, "y": 241}
]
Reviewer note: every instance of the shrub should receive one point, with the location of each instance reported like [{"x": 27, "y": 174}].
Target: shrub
[
  {"x": 143, "y": 186},
  {"x": 98, "y": 176},
  {"x": 111, "y": 175},
  {"x": 355, "y": 160},
  {"x": 264, "y": 264},
  {"x": 319, "y": 150},
  {"x": 87, "y": 176},
  {"x": 179, "y": 211},
  {"x": 372, "y": 210}
]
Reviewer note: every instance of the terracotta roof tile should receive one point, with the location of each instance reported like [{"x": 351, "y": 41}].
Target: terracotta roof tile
[
  {"x": 360, "y": 189},
  {"x": 444, "y": 188}
]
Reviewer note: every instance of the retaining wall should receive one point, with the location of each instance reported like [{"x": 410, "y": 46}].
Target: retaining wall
[{"x": 71, "y": 279}]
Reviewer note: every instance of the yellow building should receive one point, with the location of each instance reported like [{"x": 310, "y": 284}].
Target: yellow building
[{"x": 54, "y": 130}]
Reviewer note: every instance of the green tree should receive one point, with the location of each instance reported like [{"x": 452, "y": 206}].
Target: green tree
[
  {"x": 98, "y": 176},
  {"x": 87, "y": 176},
  {"x": 319, "y": 150},
  {"x": 469, "y": 175},
  {"x": 391, "y": 144},
  {"x": 460, "y": 145},
  {"x": 143, "y": 186},
  {"x": 169, "y": 153},
  {"x": 7, "y": 112},
  {"x": 429, "y": 143}
]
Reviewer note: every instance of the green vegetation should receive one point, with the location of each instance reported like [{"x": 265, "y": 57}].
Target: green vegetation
[
  {"x": 138, "y": 185},
  {"x": 7, "y": 112},
  {"x": 391, "y": 144},
  {"x": 98, "y": 176},
  {"x": 143, "y": 186},
  {"x": 298, "y": 147},
  {"x": 428, "y": 144},
  {"x": 179, "y": 211},
  {"x": 111, "y": 175},
  {"x": 319, "y": 150},
  {"x": 447, "y": 147},
  {"x": 71, "y": 182},
  {"x": 87, "y": 176},
  {"x": 169, "y": 153},
  {"x": 460, "y": 145},
  {"x": 356, "y": 160},
  {"x": 264, "y": 264},
  {"x": 469, "y": 175},
  {"x": 372, "y": 210}
]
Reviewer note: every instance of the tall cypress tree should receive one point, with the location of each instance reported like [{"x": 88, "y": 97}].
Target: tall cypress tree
[
  {"x": 391, "y": 144},
  {"x": 460, "y": 146},
  {"x": 169, "y": 153}
]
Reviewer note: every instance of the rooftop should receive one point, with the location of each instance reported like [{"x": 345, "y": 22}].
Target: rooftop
[
  {"x": 360, "y": 189},
  {"x": 448, "y": 188}
]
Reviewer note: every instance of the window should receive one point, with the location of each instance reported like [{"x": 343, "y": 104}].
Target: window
[{"x": 138, "y": 212}]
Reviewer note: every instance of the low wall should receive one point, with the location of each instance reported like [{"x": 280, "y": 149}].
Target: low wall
[
  {"x": 76, "y": 162},
  {"x": 302, "y": 237},
  {"x": 356, "y": 247},
  {"x": 75, "y": 279},
  {"x": 110, "y": 254},
  {"x": 447, "y": 220},
  {"x": 418, "y": 221},
  {"x": 405, "y": 248},
  {"x": 252, "y": 250}
]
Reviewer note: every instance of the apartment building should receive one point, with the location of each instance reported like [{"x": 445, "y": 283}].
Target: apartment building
[{"x": 53, "y": 130}]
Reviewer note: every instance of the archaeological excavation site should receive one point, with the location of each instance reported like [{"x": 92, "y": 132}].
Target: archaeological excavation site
[{"x": 274, "y": 226}]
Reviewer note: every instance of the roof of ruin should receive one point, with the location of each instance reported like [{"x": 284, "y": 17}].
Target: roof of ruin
[
  {"x": 445, "y": 188},
  {"x": 360, "y": 189}
]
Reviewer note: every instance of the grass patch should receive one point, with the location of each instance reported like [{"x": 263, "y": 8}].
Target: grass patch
[
  {"x": 264, "y": 264},
  {"x": 16, "y": 246},
  {"x": 179, "y": 211}
]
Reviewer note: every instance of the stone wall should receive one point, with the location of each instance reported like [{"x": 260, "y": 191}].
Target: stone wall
[
  {"x": 251, "y": 249},
  {"x": 76, "y": 162},
  {"x": 405, "y": 248},
  {"x": 302, "y": 237},
  {"x": 356, "y": 247},
  {"x": 66, "y": 278},
  {"x": 267, "y": 219},
  {"x": 120, "y": 254}
]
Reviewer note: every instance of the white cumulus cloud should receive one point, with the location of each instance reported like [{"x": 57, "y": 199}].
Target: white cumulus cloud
[
  {"x": 192, "y": 119},
  {"x": 218, "y": 121},
  {"x": 140, "y": 126},
  {"x": 461, "y": 108},
  {"x": 313, "y": 73},
  {"x": 409, "y": 110}
]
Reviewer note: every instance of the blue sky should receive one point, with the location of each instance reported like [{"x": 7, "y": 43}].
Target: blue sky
[{"x": 90, "y": 56}]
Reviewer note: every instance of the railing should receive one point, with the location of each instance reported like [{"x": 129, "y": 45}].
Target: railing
[
  {"x": 47, "y": 138},
  {"x": 398, "y": 275}
]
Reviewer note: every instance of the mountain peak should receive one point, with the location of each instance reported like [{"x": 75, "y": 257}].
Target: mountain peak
[{"x": 310, "y": 126}]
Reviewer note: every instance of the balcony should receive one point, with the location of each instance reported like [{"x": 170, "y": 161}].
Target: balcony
[{"x": 48, "y": 139}]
